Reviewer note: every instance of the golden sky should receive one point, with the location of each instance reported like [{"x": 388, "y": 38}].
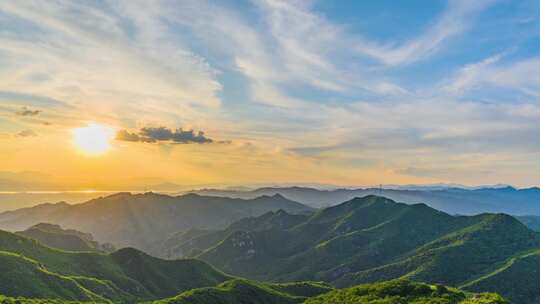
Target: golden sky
[{"x": 113, "y": 94}]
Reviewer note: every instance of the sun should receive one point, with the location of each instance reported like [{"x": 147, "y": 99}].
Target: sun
[{"x": 94, "y": 139}]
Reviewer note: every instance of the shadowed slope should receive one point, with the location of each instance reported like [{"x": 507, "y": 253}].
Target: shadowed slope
[{"x": 125, "y": 275}]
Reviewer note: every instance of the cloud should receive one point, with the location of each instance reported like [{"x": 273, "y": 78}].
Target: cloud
[
  {"x": 27, "y": 112},
  {"x": 455, "y": 20},
  {"x": 86, "y": 49},
  {"x": 519, "y": 75},
  {"x": 27, "y": 133},
  {"x": 18, "y": 97},
  {"x": 162, "y": 134}
]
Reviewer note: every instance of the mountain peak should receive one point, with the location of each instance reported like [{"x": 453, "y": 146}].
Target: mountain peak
[
  {"x": 369, "y": 200},
  {"x": 278, "y": 196}
]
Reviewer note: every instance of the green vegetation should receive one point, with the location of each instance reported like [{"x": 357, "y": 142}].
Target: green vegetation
[
  {"x": 20, "y": 276},
  {"x": 192, "y": 242},
  {"x": 10, "y": 300},
  {"x": 30, "y": 269},
  {"x": 365, "y": 240},
  {"x": 375, "y": 239},
  {"x": 401, "y": 292},
  {"x": 516, "y": 279},
  {"x": 33, "y": 273},
  {"x": 249, "y": 292}
]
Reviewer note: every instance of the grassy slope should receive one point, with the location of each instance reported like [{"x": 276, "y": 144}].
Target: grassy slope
[
  {"x": 249, "y": 292},
  {"x": 403, "y": 291},
  {"x": 113, "y": 276},
  {"x": 392, "y": 292},
  {"x": 18, "y": 300},
  {"x": 360, "y": 234},
  {"x": 372, "y": 239},
  {"x": 517, "y": 279},
  {"x": 20, "y": 276},
  {"x": 458, "y": 256}
]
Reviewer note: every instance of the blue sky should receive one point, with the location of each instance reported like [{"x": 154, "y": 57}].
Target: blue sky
[{"x": 359, "y": 92}]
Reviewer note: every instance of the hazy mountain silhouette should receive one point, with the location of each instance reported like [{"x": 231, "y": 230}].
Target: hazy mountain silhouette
[
  {"x": 140, "y": 220},
  {"x": 66, "y": 239},
  {"x": 451, "y": 200}
]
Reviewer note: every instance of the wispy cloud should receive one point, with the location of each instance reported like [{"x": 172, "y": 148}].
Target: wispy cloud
[
  {"x": 456, "y": 19},
  {"x": 292, "y": 81},
  {"x": 95, "y": 53},
  {"x": 517, "y": 75}
]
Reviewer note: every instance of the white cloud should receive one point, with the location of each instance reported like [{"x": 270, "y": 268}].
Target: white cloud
[
  {"x": 470, "y": 75},
  {"x": 521, "y": 75},
  {"x": 455, "y": 20},
  {"x": 104, "y": 59}
]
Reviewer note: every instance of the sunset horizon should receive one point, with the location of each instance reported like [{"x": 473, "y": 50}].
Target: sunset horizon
[{"x": 104, "y": 97}]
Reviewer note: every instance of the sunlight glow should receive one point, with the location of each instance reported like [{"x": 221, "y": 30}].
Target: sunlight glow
[{"x": 94, "y": 139}]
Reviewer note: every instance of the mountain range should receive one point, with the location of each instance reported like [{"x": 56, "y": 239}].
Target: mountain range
[
  {"x": 30, "y": 269},
  {"x": 374, "y": 239},
  {"x": 33, "y": 273},
  {"x": 270, "y": 238},
  {"x": 496, "y": 199},
  {"x": 141, "y": 220}
]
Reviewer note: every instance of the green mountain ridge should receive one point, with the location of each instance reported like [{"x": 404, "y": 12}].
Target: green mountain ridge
[
  {"x": 125, "y": 275},
  {"x": 31, "y": 272},
  {"x": 374, "y": 239},
  {"x": 250, "y": 292},
  {"x": 404, "y": 291}
]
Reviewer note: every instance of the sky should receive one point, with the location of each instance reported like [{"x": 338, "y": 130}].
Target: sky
[{"x": 267, "y": 91}]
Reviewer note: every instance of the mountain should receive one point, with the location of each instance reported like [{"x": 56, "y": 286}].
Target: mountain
[
  {"x": 14, "y": 200},
  {"x": 30, "y": 269},
  {"x": 403, "y": 291},
  {"x": 65, "y": 239},
  {"x": 33, "y": 273},
  {"x": 192, "y": 242},
  {"x": 459, "y": 257},
  {"x": 373, "y": 239},
  {"x": 249, "y": 292},
  {"x": 240, "y": 291},
  {"x": 495, "y": 199},
  {"x": 531, "y": 221},
  {"x": 141, "y": 220}
]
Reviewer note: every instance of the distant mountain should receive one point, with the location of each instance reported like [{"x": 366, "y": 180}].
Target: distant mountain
[
  {"x": 29, "y": 269},
  {"x": 141, "y": 220},
  {"x": 495, "y": 199},
  {"x": 531, "y": 221},
  {"x": 372, "y": 239},
  {"x": 65, "y": 239}
]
